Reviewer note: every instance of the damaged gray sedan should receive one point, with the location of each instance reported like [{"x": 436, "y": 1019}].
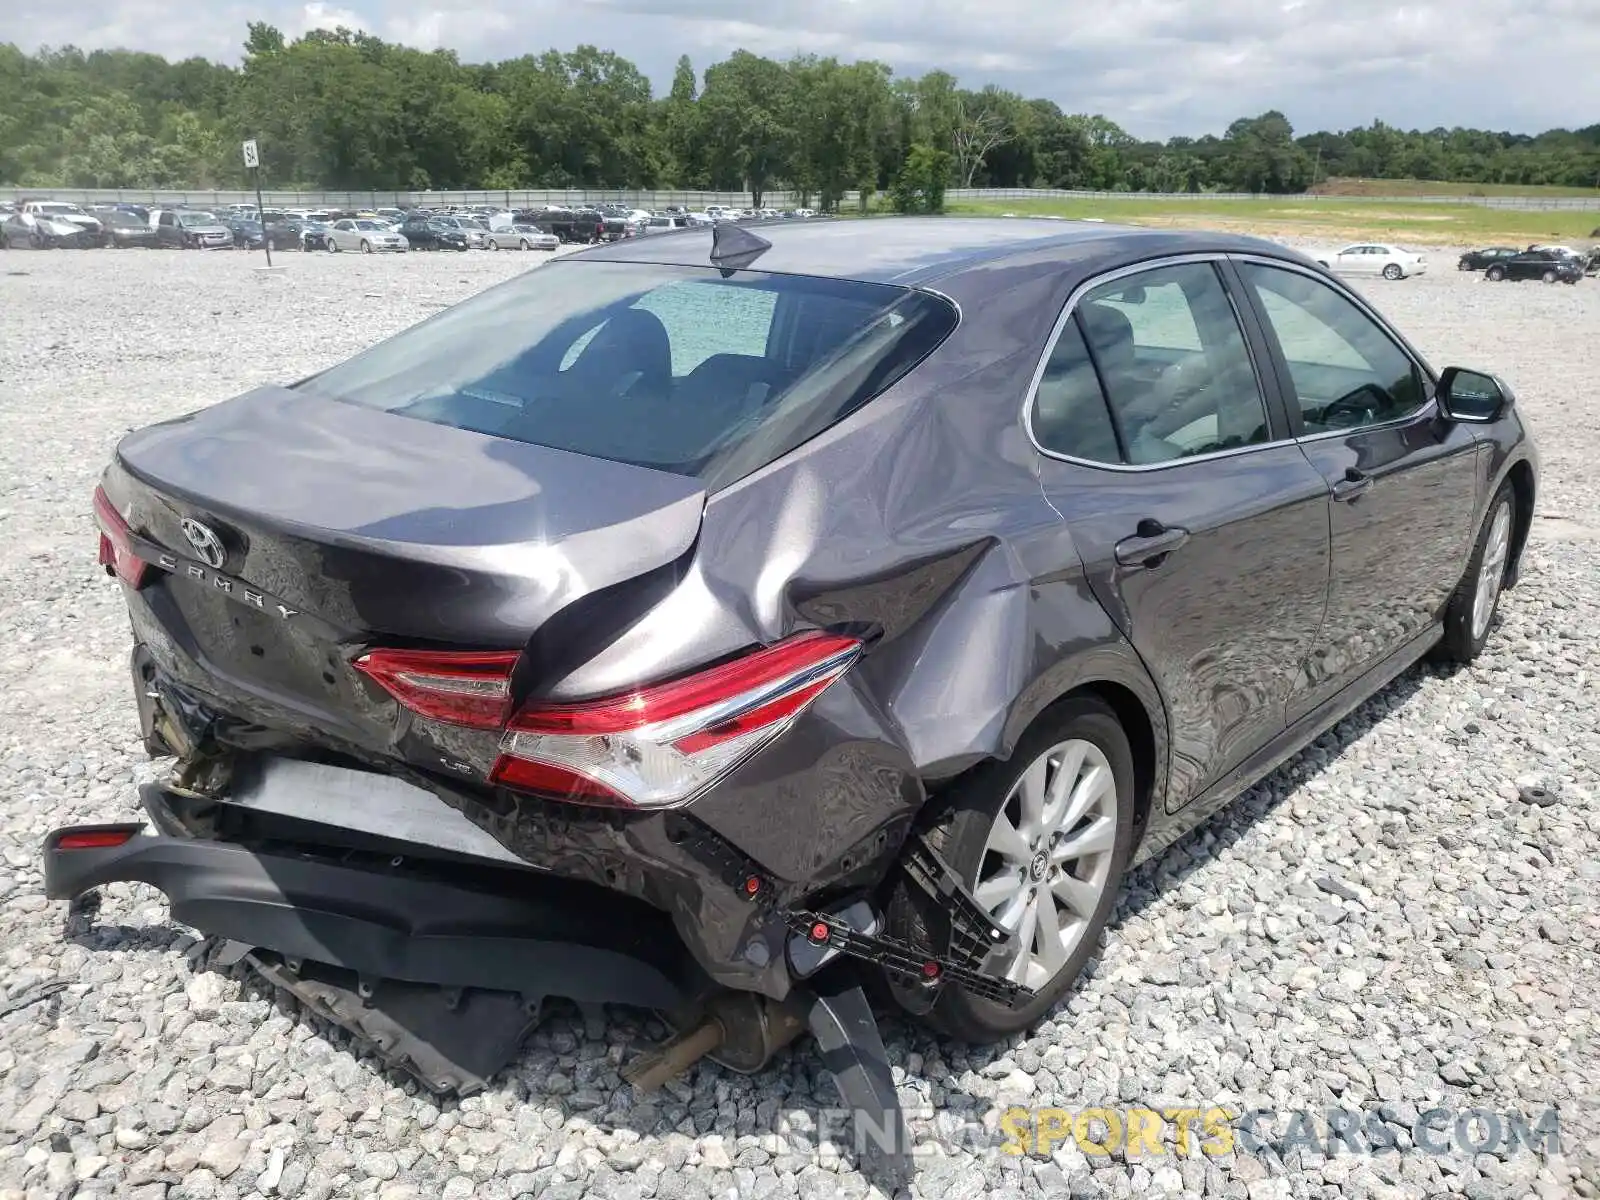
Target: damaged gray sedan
[{"x": 737, "y": 621}]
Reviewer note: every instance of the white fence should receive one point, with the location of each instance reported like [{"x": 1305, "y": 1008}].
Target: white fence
[
  {"x": 530, "y": 198},
  {"x": 1528, "y": 203}
]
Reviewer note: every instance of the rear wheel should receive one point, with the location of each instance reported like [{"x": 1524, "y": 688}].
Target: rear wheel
[
  {"x": 1471, "y": 610},
  {"x": 1393, "y": 271},
  {"x": 1495, "y": 273},
  {"x": 1042, "y": 840}
]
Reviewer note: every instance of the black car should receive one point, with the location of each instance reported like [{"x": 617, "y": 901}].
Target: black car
[
  {"x": 281, "y": 234},
  {"x": 314, "y": 234},
  {"x": 248, "y": 233},
  {"x": 1478, "y": 260},
  {"x": 1549, "y": 265},
  {"x": 724, "y": 622},
  {"x": 425, "y": 234},
  {"x": 122, "y": 230}
]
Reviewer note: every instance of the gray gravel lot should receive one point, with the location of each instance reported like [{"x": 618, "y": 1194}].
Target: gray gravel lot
[{"x": 1384, "y": 921}]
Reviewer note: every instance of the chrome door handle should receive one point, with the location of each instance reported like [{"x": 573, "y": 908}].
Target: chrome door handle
[
  {"x": 1150, "y": 546},
  {"x": 1354, "y": 484}
]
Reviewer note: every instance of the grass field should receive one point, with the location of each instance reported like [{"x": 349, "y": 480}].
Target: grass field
[
  {"x": 1436, "y": 224},
  {"x": 1438, "y": 187}
]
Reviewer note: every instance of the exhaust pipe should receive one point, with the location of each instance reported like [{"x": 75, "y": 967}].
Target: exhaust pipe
[{"x": 740, "y": 1030}]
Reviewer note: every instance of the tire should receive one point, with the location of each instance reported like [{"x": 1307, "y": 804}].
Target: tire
[
  {"x": 366, "y": 246},
  {"x": 1495, "y": 274},
  {"x": 1463, "y": 265},
  {"x": 967, "y": 816},
  {"x": 1549, "y": 277},
  {"x": 330, "y": 245},
  {"x": 523, "y": 245},
  {"x": 1469, "y": 616},
  {"x": 1393, "y": 271},
  {"x": 491, "y": 244}
]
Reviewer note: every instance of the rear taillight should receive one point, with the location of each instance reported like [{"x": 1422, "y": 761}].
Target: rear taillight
[
  {"x": 653, "y": 747},
  {"x": 116, "y": 542},
  {"x": 658, "y": 746},
  {"x": 472, "y": 688}
]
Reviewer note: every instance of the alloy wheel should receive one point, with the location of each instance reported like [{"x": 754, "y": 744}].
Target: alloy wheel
[
  {"x": 1491, "y": 570},
  {"x": 1047, "y": 859}
]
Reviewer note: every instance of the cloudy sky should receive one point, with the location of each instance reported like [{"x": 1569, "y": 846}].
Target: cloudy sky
[{"x": 1159, "y": 67}]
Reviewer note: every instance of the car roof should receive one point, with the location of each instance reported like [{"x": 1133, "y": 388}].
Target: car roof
[{"x": 916, "y": 251}]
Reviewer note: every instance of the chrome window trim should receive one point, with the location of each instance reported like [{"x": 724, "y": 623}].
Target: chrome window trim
[
  {"x": 1429, "y": 406},
  {"x": 1067, "y": 310}
]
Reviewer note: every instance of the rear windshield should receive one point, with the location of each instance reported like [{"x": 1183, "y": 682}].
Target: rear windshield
[{"x": 670, "y": 367}]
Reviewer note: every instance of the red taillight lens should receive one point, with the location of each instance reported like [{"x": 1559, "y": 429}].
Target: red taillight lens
[
  {"x": 650, "y": 748},
  {"x": 658, "y": 746},
  {"x": 472, "y": 688},
  {"x": 95, "y": 839},
  {"x": 116, "y": 542}
]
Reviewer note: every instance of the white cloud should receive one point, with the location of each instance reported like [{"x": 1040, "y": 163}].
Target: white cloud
[
  {"x": 1160, "y": 67},
  {"x": 327, "y": 17}
]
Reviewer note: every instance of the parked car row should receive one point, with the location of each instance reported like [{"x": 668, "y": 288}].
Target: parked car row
[
  {"x": 1550, "y": 263},
  {"x": 51, "y": 224}
]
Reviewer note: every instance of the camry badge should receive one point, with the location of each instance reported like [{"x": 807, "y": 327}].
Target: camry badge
[{"x": 207, "y": 545}]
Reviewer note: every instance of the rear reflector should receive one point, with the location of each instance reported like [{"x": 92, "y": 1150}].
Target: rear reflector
[
  {"x": 471, "y": 688},
  {"x": 657, "y": 746},
  {"x": 116, "y": 542},
  {"x": 95, "y": 839}
]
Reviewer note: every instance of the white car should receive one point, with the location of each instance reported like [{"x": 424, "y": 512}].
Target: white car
[
  {"x": 521, "y": 237},
  {"x": 60, "y": 211},
  {"x": 1373, "y": 258},
  {"x": 369, "y": 237}
]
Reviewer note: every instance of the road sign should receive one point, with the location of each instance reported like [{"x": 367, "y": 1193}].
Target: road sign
[{"x": 252, "y": 157}]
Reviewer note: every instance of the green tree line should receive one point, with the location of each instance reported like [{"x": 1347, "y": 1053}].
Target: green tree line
[{"x": 344, "y": 110}]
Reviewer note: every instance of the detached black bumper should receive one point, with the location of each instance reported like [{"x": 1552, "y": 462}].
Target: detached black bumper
[{"x": 529, "y": 935}]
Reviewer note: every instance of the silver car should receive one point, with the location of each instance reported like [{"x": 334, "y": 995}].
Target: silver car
[
  {"x": 364, "y": 235},
  {"x": 521, "y": 237}
]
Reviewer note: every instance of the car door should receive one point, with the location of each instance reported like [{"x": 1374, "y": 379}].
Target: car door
[
  {"x": 1403, "y": 478},
  {"x": 1200, "y": 524},
  {"x": 342, "y": 234}
]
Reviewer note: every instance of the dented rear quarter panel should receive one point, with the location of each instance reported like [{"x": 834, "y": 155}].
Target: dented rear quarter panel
[{"x": 921, "y": 517}]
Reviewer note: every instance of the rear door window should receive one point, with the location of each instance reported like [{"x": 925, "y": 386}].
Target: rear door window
[
  {"x": 1173, "y": 361},
  {"x": 671, "y": 367}
]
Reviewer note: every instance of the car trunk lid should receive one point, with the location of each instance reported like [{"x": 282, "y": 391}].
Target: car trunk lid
[{"x": 293, "y": 530}]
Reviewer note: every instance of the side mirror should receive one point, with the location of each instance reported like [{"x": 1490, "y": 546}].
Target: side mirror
[{"x": 1473, "y": 395}]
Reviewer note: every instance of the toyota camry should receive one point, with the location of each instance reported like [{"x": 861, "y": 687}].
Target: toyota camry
[{"x": 723, "y": 621}]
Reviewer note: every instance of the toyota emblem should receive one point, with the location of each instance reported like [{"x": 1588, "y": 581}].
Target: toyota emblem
[{"x": 207, "y": 545}]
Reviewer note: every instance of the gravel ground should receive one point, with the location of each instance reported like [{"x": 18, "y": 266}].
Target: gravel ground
[{"x": 1384, "y": 921}]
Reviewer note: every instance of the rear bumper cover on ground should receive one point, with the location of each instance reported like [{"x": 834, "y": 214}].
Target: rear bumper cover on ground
[{"x": 538, "y": 938}]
